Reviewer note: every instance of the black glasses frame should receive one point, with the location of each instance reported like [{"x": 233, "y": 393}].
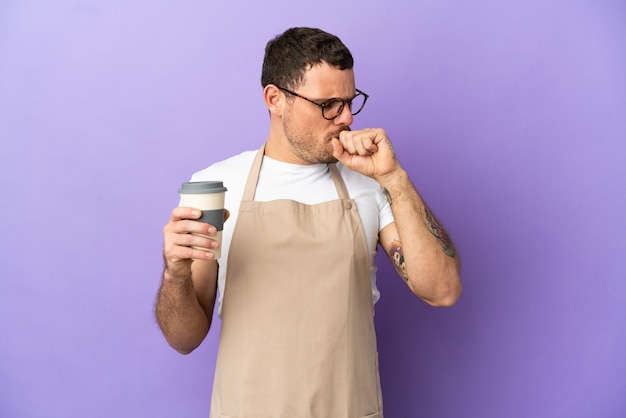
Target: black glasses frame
[{"x": 324, "y": 105}]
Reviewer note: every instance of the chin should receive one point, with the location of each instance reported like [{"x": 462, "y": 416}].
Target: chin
[
  {"x": 326, "y": 157},
  {"x": 328, "y": 160}
]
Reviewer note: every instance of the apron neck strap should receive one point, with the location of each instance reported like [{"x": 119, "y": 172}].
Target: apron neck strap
[
  {"x": 340, "y": 185},
  {"x": 253, "y": 178}
]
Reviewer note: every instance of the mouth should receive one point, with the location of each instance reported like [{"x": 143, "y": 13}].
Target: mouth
[{"x": 336, "y": 134}]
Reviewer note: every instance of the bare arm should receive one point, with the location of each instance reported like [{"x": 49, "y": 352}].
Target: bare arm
[
  {"x": 186, "y": 298},
  {"x": 419, "y": 247}
]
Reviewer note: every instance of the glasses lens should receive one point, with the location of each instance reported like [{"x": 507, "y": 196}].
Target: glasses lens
[
  {"x": 332, "y": 108},
  {"x": 357, "y": 104}
]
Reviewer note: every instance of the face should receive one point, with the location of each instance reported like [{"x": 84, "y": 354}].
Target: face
[{"x": 307, "y": 133}]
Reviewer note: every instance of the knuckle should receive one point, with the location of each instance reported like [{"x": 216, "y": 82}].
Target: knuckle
[
  {"x": 186, "y": 252},
  {"x": 187, "y": 239}
]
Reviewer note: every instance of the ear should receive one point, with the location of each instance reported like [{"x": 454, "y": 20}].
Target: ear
[{"x": 274, "y": 99}]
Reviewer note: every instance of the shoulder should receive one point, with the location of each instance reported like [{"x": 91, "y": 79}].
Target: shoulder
[
  {"x": 233, "y": 171},
  {"x": 232, "y": 166}
]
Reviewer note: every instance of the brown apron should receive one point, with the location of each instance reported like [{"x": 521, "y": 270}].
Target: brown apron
[{"x": 297, "y": 337}]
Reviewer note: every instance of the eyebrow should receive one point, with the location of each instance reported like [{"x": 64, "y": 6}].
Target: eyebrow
[{"x": 324, "y": 100}]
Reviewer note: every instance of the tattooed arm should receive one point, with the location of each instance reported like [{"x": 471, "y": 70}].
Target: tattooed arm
[
  {"x": 415, "y": 242},
  {"x": 419, "y": 247}
]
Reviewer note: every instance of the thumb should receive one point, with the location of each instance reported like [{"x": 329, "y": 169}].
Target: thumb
[{"x": 338, "y": 150}]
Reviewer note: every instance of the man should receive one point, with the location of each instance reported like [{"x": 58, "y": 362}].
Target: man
[{"x": 296, "y": 280}]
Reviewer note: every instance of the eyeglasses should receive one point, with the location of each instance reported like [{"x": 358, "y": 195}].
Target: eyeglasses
[{"x": 332, "y": 108}]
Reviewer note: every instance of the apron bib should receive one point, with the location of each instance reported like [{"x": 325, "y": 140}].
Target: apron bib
[{"x": 297, "y": 337}]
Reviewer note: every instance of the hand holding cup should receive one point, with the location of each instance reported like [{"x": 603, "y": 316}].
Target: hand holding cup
[{"x": 208, "y": 197}]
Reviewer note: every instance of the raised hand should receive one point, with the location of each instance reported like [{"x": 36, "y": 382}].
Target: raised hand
[{"x": 367, "y": 151}]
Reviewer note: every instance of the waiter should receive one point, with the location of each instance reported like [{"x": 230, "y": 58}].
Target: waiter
[{"x": 296, "y": 283}]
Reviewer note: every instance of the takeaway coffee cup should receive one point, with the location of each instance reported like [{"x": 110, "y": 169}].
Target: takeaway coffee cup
[{"x": 208, "y": 196}]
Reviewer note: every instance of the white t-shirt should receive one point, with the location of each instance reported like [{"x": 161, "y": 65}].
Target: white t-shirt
[{"x": 308, "y": 184}]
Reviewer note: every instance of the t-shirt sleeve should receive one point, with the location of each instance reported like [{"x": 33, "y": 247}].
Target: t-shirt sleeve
[{"x": 385, "y": 215}]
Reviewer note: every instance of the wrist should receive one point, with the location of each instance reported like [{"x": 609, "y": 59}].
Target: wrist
[
  {"x": 180, "y": 271},
  {"x": 395, "y": 177}
]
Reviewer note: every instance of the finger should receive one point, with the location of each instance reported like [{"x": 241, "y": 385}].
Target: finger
[
  {"x": 358, "y": 142},
  {"x": 201, "y": 243},
  {"x": 344, "y": 139},
  {"x": 189, "y": 226},
  {"x": 174, "y": 253},
  {"x": 371, "y": 144},
  {"x": 226, "y": 214},
  {"x": 177, "y": 245},
  {"x": 183, "y": 212},
  {"x": 379, "y": 137},
  {"x": 365, "y": 146}
]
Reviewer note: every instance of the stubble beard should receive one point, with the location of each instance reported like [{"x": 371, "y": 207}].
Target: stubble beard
[{"x": 307, "y": 147}]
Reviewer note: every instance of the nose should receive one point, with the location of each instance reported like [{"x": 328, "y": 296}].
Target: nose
[{"x": 344, "y": 117}]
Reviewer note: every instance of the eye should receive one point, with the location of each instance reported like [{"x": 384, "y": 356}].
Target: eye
[{"x": 333, "y": 105}]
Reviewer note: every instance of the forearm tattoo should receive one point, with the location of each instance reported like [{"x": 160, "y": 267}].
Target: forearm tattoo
[
  {"x": 439, "y": 233},
  {"x": 397, "y": 255},
  {"x": 434, "y": 227}
]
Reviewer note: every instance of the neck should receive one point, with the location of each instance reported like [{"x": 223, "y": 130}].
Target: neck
[{"x": 279, "y": 150}]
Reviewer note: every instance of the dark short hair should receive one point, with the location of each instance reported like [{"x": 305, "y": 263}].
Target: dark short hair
[{"x": 289, "y": 55}]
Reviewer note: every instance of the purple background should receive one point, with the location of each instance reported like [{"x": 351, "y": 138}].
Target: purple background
[{"x": 509, "y": 116}]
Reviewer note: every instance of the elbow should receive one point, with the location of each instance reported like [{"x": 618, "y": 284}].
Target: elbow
[
  {"x": 183, "y": 343},
  {"x": 446, "y": 300},
  {"x": 183, "y": 348},
  {"x": 444, "y": 294},
  {"x": 183, "y": 339}
]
